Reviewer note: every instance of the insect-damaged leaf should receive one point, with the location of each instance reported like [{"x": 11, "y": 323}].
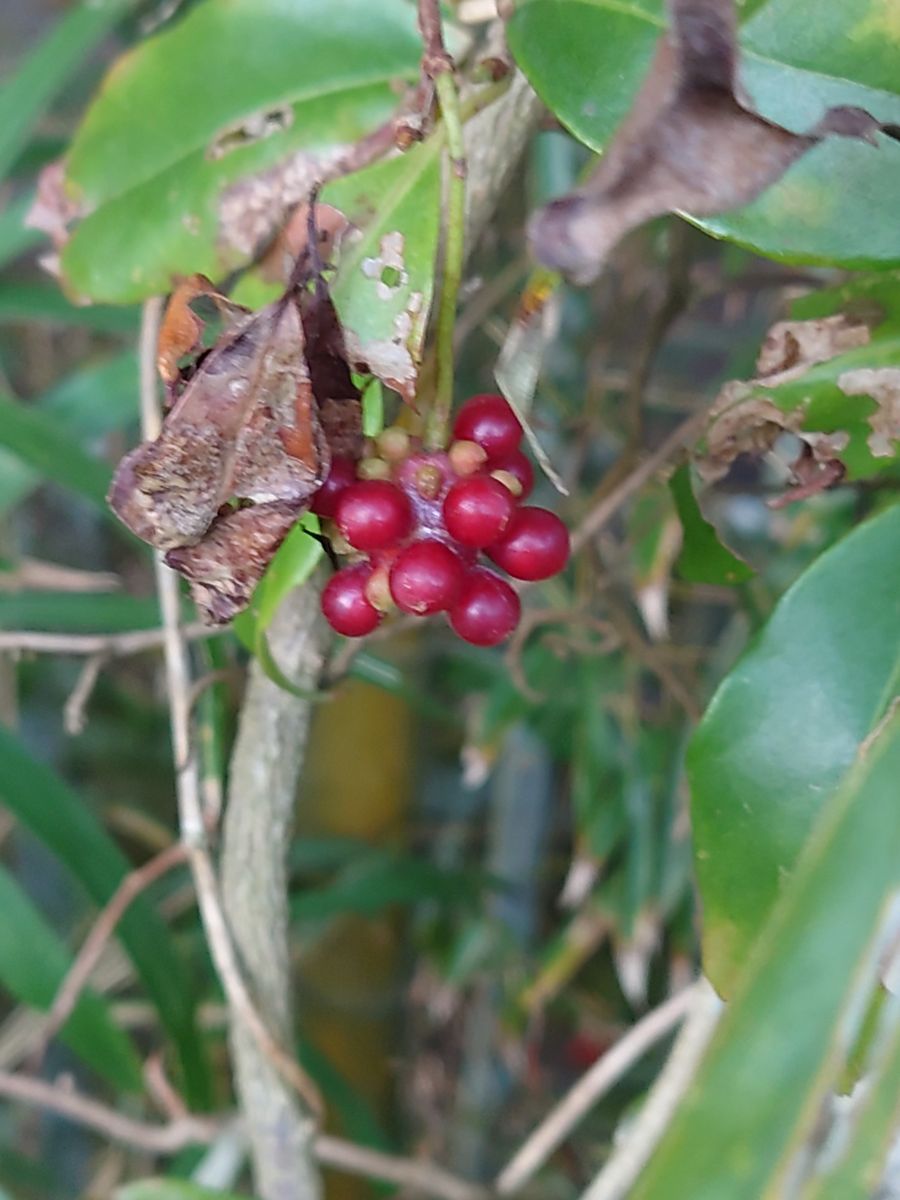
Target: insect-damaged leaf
[
  {"x": 245, "y": 445},
  {"x": 691, "y": 143}
]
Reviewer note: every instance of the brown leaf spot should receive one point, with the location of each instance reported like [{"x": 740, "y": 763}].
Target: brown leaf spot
[
  {"x": 883, "y": 385},
  {"x": 254, "y": 128},
  {"x": 790, "y": 348}
]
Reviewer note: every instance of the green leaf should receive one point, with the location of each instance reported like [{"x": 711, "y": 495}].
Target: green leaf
[
  {"x": 169, "y": 133},
  {"x": 783, "y": 728},
  {"x": 38, "y": 441},
  {"x": 171, "y": 1189},
  {"x": 77, "y": 612},
  {"x": 44, "y": 71},
  {"x": 703, "y": 558},
  {"x": 85, "y": 404},
  {"x": 60, "y": 819},
  {"x": 859, "y": 1169},
  {"x": 15, "y": 239},
  {"x": 779, "y": 1049},
  {"x": 395, "y": 203},
  {"x": 45, "y": 303},
  {"x": 586, "y": 59},
  {"x": 294, "y": 562},
  {"x": 33, "y": 963},
  {"x": 380, "y": 879}
]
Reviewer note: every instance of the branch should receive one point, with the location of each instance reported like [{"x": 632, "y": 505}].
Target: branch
[
  {"x": 596, "y": 1082},
  {"x": 190, "y": 809},
  {"x": 619, "y": 1174},
  {"x": 112, "y": 645},
  {"x": 78, "y": 974},
  {"x": 149, "y": 1136},
  {"x": 600, "y": 515},
  {"x": 265, "y": 766},
  {"x": 186, "y": 1130},
  {"x": 269, "y": 751}
]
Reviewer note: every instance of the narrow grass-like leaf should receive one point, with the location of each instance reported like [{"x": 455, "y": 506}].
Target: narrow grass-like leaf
[
  {"x": 33, "y": 963},
  {"x": 63, "y": 822},
  {"x": 44, "y": 71},
  {"x": 39, "y": 442}
]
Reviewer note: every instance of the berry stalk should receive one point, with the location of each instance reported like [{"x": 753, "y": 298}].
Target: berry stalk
[{"x": 454, "y": 250}]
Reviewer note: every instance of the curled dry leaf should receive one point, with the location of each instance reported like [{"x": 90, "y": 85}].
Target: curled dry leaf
[
  {"x": 245, "y": 445},
  {"x": 742, "y": 420},
  {"x": 691, "y": 143},
  {"x": 883, "y": 385}
]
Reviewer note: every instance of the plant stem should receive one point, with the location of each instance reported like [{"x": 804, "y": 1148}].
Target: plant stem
[{"x": 454, "y": 250}]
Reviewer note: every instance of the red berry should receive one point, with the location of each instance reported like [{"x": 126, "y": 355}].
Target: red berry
[
  {"x": 489, "y": 421},
  {"x": 534, "y": 546},
  {"x": 426, "y": 478},
  {"x": 344, "y": 602},
  {"x": 425, "y": 577},
  {"x": 487, "y": 609},
  {"x": 477, "y": 510},
  {"x": 339, "y": 478},
  {"x": 373, "y": 513},
  {"x": 516, "y": 464}
]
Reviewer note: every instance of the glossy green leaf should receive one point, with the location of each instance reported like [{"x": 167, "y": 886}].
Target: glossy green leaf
[
  {"x": 586, "y": 59},
  {"x": 40, "y": 443},
  {"x": 169, "y": 133},
  {"x": 783, "y": 728},
  {"x": 43, "y": 72},
  {"x": 171, "y": 1189},
  {"x": 703, "y": 558},
  {"x": 43, "y": 803},
  {"x": 33, "y": 963},
  {"x": 779, "y": 1049}
]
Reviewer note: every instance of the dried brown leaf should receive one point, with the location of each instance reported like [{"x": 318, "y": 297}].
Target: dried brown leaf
[
  {"x": 246, "y": 444},
  {"x": 182, "y": 328},
  {"x": 742, "y": 420},
  {"x": 883, "y": 385},
  {"x": 691, "y": 144}
]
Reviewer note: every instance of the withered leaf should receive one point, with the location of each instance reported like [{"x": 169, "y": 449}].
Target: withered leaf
[
  {"x": 182, "y": 327},
  {"x": 246, "y": 444},
  {"x": 691, "y": 143},
  {"x": 883, "y": 385},
  {"x": 743, "y": 420}
]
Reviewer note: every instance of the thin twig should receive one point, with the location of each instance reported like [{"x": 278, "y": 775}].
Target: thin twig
[
  {"x": 74, "y": 714},
  {"x": 617, "y": 1177},
  {"x": 190, "y": 808},
  {"x": 188, "y": 1130},
  {"x": 599, "y": 516},
  {"x": 104, "y": 927},
  {"x": 36, "y": 575},
  {"x": 405, "y": 1172},
  {"x": 438, "y": 66},
  {"x": 112, "y": 645},
  {"x": 596, "y": 1082},
  {"x": 143, "y": 1135}
]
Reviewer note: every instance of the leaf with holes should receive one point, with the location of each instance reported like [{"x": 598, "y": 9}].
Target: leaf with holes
[{"x": 183, "y": 163}]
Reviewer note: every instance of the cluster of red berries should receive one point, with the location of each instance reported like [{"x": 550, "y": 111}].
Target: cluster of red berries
[{"x": 421, "y": 517}]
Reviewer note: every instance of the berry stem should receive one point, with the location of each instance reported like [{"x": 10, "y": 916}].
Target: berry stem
[{"x": 454, "y": 245}]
